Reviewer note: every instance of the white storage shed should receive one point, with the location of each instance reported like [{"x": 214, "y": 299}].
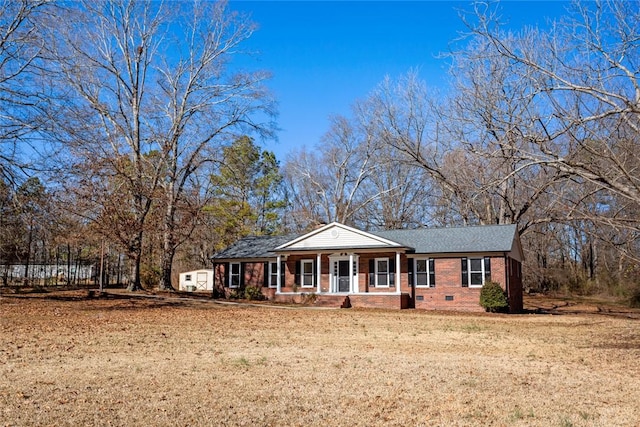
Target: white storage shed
[{"x": 197, "y": 280}]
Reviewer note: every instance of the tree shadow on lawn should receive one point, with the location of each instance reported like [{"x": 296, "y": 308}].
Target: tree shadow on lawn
[
  {"x": 119, "y": 300},
  {"x": 542, "y": 304}
]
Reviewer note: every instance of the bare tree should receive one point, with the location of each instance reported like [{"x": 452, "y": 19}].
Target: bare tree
[
  {"x": 207, "y": 106},
  {"x": 401, "y": 194},
  {"x": 103, "y": 55},
  {"x": 327, "y": 186},
  {"x": 406, "y": 117},
  {"x": 20, "y": 49},
  {"x": 150, "y": 99},
  {"x": 583, "y": 81}
]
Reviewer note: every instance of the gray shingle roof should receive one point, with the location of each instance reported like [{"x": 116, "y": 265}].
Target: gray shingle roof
[
  {"x": 253, "y": 247},
  {"x": 485, "y": 238}
]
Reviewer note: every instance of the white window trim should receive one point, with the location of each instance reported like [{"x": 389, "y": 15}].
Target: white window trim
[
  {"x": 376, "y": 273},
  {"x": 302, "y": 274},
  {"x": 469, "y": 272},
  {"x": 273, "y": 273},
  {"x": 231, "y": 264},
  {"x": 415, "y": 272}
]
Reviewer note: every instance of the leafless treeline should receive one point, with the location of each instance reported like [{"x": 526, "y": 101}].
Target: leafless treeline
[
  {"x": 145, "y": 121},
  {"x": 537, "y": 127}
]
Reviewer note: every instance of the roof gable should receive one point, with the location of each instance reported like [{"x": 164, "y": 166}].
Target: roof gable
[{"x": 337, "y": 236}]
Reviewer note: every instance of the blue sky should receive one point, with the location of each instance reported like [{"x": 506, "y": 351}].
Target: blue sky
[{"x": 325, "y": 55}]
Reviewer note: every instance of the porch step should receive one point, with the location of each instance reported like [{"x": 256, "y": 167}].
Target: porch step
[{"x": 341, "y": 301}]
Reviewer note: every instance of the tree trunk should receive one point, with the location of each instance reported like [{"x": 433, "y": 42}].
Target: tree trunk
[
  {"x": 119, "y": 267},
  {"x": 26, "y": 264},
  {"x": 167, "y": 261},
  {"x": 136, "y": 285},
  {"x": 68, "y": 264},
  {"x": 168, "y": 248}
]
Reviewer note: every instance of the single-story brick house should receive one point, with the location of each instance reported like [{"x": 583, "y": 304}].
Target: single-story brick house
[{"x": 431, "y": 268}]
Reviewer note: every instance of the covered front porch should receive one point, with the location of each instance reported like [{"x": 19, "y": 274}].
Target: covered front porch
[
  {"x": 367, "y": 278},
  {"x": 344, "y": 266}
]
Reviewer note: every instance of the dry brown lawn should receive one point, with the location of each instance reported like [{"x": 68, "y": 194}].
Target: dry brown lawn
[{"x": 70, "y": 360}]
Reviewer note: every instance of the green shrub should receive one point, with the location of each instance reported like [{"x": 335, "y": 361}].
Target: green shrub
[
  {"x": 493, "y": 298},
  {"x": 253, "y": 293},
  {"x": 234, "y": 294}
]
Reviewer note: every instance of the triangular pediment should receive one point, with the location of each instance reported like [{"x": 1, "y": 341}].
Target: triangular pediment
[{"x": 337, "y": 236}]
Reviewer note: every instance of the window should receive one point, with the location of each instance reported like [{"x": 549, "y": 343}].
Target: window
[
  {"x": 187, "y": 278},
  {"x": 475, "y": 271},
  {"x": 382, "y": 272},
  {"x": 425, "y": 274},
  {"x": 234, "y": 275},
  {"x": 307, "y": 273},
  {"x": 273, "y": 274}
]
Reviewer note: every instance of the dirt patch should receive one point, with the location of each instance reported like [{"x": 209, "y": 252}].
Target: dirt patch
[{"x": 76, "y": 359}]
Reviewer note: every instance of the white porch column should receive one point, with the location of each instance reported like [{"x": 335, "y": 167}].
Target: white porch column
[
  {"x": 278, "y": 284},
  {"x": 318, "y": 273},
  {"x": 351, "y": 290},
  {"x": 398, "y": 275}
]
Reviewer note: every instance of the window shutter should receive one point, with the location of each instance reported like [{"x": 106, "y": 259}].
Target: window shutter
[
  {"x": 298, "y": 267},
  {"x": 410, "y": 271},
  {"x": 227, "y": 272},
  {"x": 315, "y": 272},
  {"x": 392, "y": 272},
  {"x": 432, "y": 273},
  {"x": 487, "y": 269},
  {"x": 265, "y": 274},
  {"x": 465, "y": 275},
  {"x": 242, "y": 270},
  {"x": 372, "y": 272}
]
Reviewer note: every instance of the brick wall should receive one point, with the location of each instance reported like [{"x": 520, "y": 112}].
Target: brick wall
[
  {"x": 253, "y": 276},
  {"x": 363, "y": 273},
  {"x": 448, "y": 294},
  {"x": 399, "y": 301}
]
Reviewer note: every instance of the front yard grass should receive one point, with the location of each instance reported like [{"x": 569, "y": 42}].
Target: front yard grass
[{"x": 70, "y": 360}]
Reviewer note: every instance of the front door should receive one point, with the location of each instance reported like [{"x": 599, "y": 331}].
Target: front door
[{"x": 343, "y": 276}]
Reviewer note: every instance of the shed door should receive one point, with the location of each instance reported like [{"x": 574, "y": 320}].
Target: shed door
[{"x": 201, "y": 280}]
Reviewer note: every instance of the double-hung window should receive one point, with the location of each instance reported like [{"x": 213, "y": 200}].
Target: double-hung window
[
  {"x": 273, "y": 274},
  {"x": 476, "y": 271},
  {"x": 382, "y": 272},
  {"x": 425, "y": 275},
  {"x": 234, "y": 275},
  {"x": 307, "y": 273}
]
